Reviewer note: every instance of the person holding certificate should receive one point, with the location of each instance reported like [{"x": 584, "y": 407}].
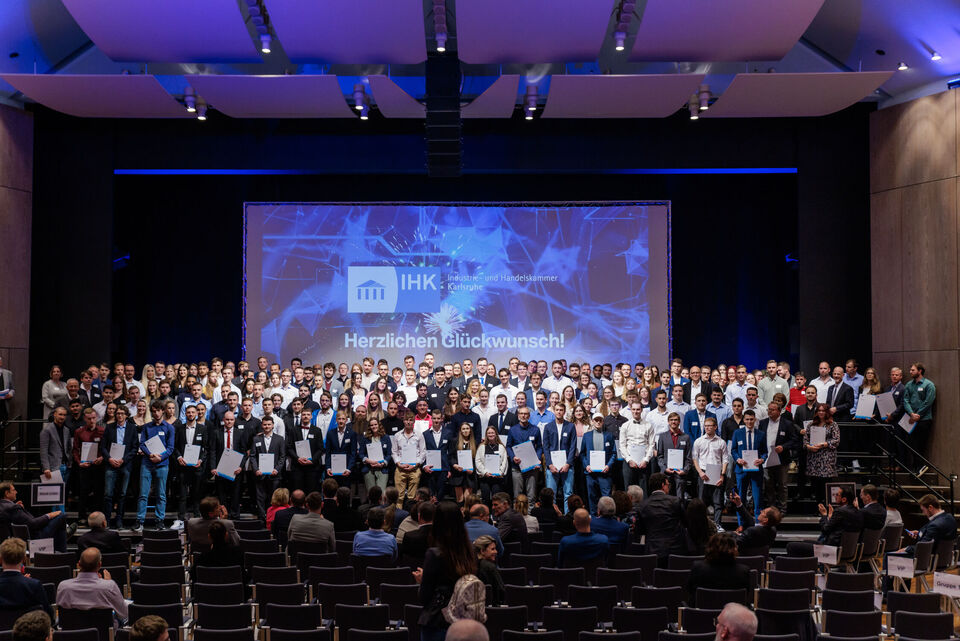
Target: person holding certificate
[
  {"x": 436, "y": 467},
  {"x": 749, "y": 450},
  {"x": 122, "y": 433},
  {"x": 598, "y": 452},
  {"x": 409, "y": 451},
  {"x": 269, "y": 451},
  {"x": 304, "y": 452},
  {"x": 674, "y": 450},
  {"x": 491, "y": 464},
  {"x": 190, "y": 445},
  {"x": 524, "y": 470},
  {"x": 375, "y": 455},
  {"x": 88, "y": 462},
  {"x": 821, "y": 440},
  {"x": 231, "y": 439},
  {"x": 560, "y": 452},
  {"x": 156, "y": 442},
  {"x": 710, "y": 458},
  {"x": 341, "y": 449},
  {"x": 462, "y": 452}
]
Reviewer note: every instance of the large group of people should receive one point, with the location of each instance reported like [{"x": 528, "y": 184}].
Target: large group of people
[{"x": 241, "y": 431}]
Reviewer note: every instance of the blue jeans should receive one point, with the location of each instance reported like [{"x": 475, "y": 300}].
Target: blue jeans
[
  {"x": 754, "y": 480},
  {"x": 110, "y": 484},
  {"x": 157, "y": 476},
  {"x": 563, "y": 482},
  {"x": 65, "y": 473},
  {"x": 597, "y": 485},
  {"x": 56, "y": 529}
]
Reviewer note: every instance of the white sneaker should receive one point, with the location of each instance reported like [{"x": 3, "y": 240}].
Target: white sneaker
[
  {"x": 720, "y": 529},
  {"x": 177, "y": 525}
]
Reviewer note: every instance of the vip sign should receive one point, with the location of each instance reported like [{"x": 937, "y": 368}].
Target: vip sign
[{"x": 387, "y": 290}]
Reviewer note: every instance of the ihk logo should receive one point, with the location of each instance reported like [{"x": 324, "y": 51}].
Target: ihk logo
[{"x": 386, "y": 290}]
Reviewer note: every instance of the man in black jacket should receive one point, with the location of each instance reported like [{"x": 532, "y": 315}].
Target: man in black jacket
[
  {"x": 510, "y": 524},
  {"x": 661, "y": 518},
  {"x": 101, "y": 537},
  {"x": 783, "y": 439},
  {"x": 281, "y": 520},
  {"x": 189, "y": 477},
  {"x": 759, "y": 534},
  {"x": 833, "y": 523},
  {"x": 51, "y": 525},
  {"x": 19, "y": 593},
  {"x": 415, "y": 543},
  {"x": 873, "y": 514}
]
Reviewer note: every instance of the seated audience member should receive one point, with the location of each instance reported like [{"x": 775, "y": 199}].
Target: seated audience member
[
  {"x": 479, "y": 525},
  {"x": 149, "y": 628},
  {"x": 19, "y": 593},
  {"x": 582, "y": 546},
  {"x": 871, "y": 512},
  {"x": 511, "y": 525},
  {"x": 33, "y": 626},
  {"x": 88, "y": 591},
  {"x": 416, "y": 542},
  {"x": 700, "y": 527},
  {"x": 607, "y": 524},
  {"x": 467, "y": 630},
  {"x": 662, "y": 519},
  {"x": 374, "y": 496},
  {"x": 546, "y": 510},
  {"x": 345, "y": 518},
  {"x": 833, "y": 523},
  {"x": 757, "y": 536},
  {"x": 410, "y": 523},
  {"x": 211, "y": 512},
  {"x": 312, "y": 526},
  {"x": 395, "y": 514},
  {"x": 100, "y": 537},
  {"x": 891, "y": 499},
  {"x": 940, "y": 526},
  {"x": 51, "y": 525},
  {"x": 329, "y": 489},
  {"x": 565, "y": 524},
  {"x": 735, "y": 623},
  {"x": 375, "y": 541},
  {"x": 221, "y": 553},
  {"x": 719, "y": 569},
  {"x": 522, "y": 507},
  {"x": 279, "y": 501},
  {"x": 487, "y": 570},
  {"x": 281, "y": 518}
]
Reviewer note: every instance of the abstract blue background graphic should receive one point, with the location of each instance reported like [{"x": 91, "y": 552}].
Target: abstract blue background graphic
[{"x": 336, "y": 281}]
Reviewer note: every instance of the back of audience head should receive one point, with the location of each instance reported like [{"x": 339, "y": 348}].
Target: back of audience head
[
  {"x": 297, "y": 498},
  {"x": 426, "y": 511},
  {"x": 329, "y": 489},
  {"x": 480, "y": 512},
  {"x": 467, "y": 630},
  {"x": 12, "y": 553},
  {"x": 574, "y": 503},
  {"x": 547, "y": 498},
  {"x": 89, "y": 560},
  {"x": 581, "y": 520},
  {"x": 721, "y": 547},
  {"x": 606, "y": 506},
  {"x": 343, "y": 497},
  {"x": 521, "y": 505},
  {"x": 149, "y": 628},
  {"x": 375, "y": 518},
  {"x": 314, "y": 502},
  {"x": 891, "y": 498},
  {"x": 736, "y": 623},
  {"x": 635, "y": 492},
  {"x": 33, "y": 626},
  {"x": 657, "y": 481},
  {"x": 374, "y": 494},
  {"x": 97, "y": 520},
  {"x": 450, "y": 536}
]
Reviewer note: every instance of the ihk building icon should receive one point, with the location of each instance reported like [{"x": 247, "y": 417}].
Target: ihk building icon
[{"x": 385, "y": 290}]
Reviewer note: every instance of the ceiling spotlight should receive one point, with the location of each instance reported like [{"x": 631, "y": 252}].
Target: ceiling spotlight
[
  {"x": 190, "y": 100},
  {"x": 441, "y": 41},
  {"x": 703, "y": 95},
  {"x": 619, "y": 38},
  {"x": 935, "y": 56},
  {"x": 359, "y": 96},
  {"x": 694, "y": 107},
  {"x": 265, "y": 43},
  {"x": 365, "y": 112},
  {"x": 530, "y": 103},
  {"x": 201, "y": 112},
  {"x": 902, "y": 66}
]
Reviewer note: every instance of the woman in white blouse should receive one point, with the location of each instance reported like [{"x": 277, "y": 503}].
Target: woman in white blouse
[
  {"x": 492, "y": 480},
  {"x": 53, "y": 391}
]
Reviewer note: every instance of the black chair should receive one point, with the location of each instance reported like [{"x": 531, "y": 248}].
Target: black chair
[
  {"x": 783, "y": 600},
  {"x": 161, "y": 558},
  {"x": 513, "y": 547},
  {"x": 756, "y": 562},
  {"x": 114, "y": 559},
  {"x": 570, "y": 621},
  {"x": 561, "y": 579},
  {"x": 361, "y": 617},
  {"x": 9, "y": 616},
  {"x": 218, "y": 593},
  {"x": 281, "y": 593},
  {"x": 345, "y": 535},
  {"x": 697, "y": 620},
  {"x": 264, "y": 559},
  {"x": 361, "y": 563},
  {"x": 850, "y": 582},
  {"x": 263, "y": 574},
  {"x": 222, "y": 616},
  {"x": 852, "y": 624},
  {"x": 717, "y": 599},
  {"x": 316, "y": 552},
  {"x": 545, "y": 547},
  {"x": 259, "y": 546},
  {"x": 606, "y": 636},
  {"x": 242, "y": 525},
  {"x": 781, "y": 580},
  {"x": 376, "y": 576},
  {"x": 928, "y": 602},
  {"x": 155, "y": 593},
  {"x": 647, "y": 621},
  {"x": 796, "y": 564},
  {"x": 604, "y": 599},
  {"x": 924, "y": 625},
  {"x": 160, "y": 534},
  {"x": 242, "y": 634},
  {"x": 55, "y": 559},
  {"x": 329, "y": 594},
  {"x": 513, "y": 576},
  {"x": 100, "y": 619},
  {"x": 50, "y": 574},
  {"x": 230, "y": 574},
  {"x": 162, "y": 574},
  {"x": 666, "y": 578},
  {"x": 623, "y": 579},
  {"x": 376, "y": 635},
  {"x": 670, "y": 598},
  {"x": 682, "y": 562},
  {"x": 335, "y": 576},
  {"x": 90, "y": 634},
  {"x": 830, "y": 637},
  {"x": 172, "y": 613},
  {"x": 776, "y": 637},
  {"x": 253, "y": 535},
  {"x": 505, "y": 618},
  {"x": 344, "y": 549},
  {"x": 294, "y": 617},
  {"x": 397, "y": 597},
  {"x": 513, "y": 635},
  {"x": 529, "y": 562},
  {"x": 848, "y": 601},
  {"x": 277, "y": 634},
  {"x": 411, "y": 618},
  {"x": 536, "y": 598},
  {"x": 667, "y": 635},
  {"x": 779, "y": 622},
  {"x": 159, "y": 546}
]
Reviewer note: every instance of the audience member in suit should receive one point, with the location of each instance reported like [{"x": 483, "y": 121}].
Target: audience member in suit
[
  {"x": 582, "y": 546},
  {"x": 873, "y": 514},
  {"x": 100, "y": 537},
  {"x": 328, "y": 491},
  {"x": 374, "y": 496},
  {"x": 833, "y": 523},
  {"x": 756, "y": 534},
  {"x": 479, "y": 525},
  {"x": 690, "y": 389},
  {"x": 312, "y": 526},
  {"x": 303, "y": 472},
  {"x": 940, "y": 526},
  {"x": 267, "y": 442},
  {"x": 661, "y": 519},
  {"x": 281, "y": 520},
  {"x": 719, "y": 569},
  {"x": 211, "y": 511},
  {"x": 221, "y": 553},
  {"x": 19, "y": 593},
  {"x": 617, "y": 533},
  {"x": 510, "y": 525},
  {"x": 345, "y": 518},
  {"x": 51, "y": 525},
  {"x": 565, "y": 524},
  {"x": 415, "y": 543},
  {"x": 840, "y": 397}
]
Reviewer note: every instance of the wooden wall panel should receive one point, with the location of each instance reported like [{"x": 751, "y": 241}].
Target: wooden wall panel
[
  {"x": 929, "y": 215},
  {"x": 15, "y": 224},
  {"x": 16, "y": 149},
  {"x": 943, "y": 368},
  {"x": 886, "y": 275},
  {"x": 883, "y": 361},
  {"x": 914, "y": 142}
]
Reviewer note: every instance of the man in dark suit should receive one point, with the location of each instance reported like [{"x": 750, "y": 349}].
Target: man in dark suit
[
  {"x": 873, "y": 514},
  {"x": 696, "y": 386},
  {"x": 486, "y": 379},
  {"x": 661, "y": 518},
  {"x": 340, "y": 440},
  {"x": 303, "y": 471},
  {"x": 510, "y": 525},
  {"x": 89, "y": 394},
  {"x": 783, "y": 439},
  {"x": 833, "y": 523},
  {"x": 189, "y": 477},
  {"x": 19, "y": 593},
  {"x": 758, "y": 534},
  {"x": 101, "y": 537},
  {"x": 236, "y": 438},
  {"x": 281, "y": 520},
  {"x": 840, "y": 397},
  {"x": 267, "y": 481},
  {"x": 940, "y": 526},
  {"x": 51, "y": 525},
  {"x": 415, "y": 542},
  {"x": 675, "y": 439},
  {"x": 584, "y": 545},
  {"x": 504, "y": 419},
  {"x": 198, "y": 528},
  {"x": 749, "y": 473}
]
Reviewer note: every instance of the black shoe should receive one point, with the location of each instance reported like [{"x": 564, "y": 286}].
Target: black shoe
[
  {"x": 160, "y": 526},
  {"x": 138, "y": 526},
  {"x": 71, "y": 529}
]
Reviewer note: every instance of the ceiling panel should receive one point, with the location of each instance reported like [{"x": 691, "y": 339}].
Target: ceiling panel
[
  {"x": 498, "y": 101},
  {"x": 526, "y": 31},
  {"x": 392, "y": 101},
  {"x": 166, "y": 30},
  {"x": 651, "y": 96},
  {"x": 706, "y": 31},
  {"x": 273, "y": 96},
  {"x": 349, "y": 31},
  {"x": 760, "y": 95},
  {"x": 120, "y": 96}
]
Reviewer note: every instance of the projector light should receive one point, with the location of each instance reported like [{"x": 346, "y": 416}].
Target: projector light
[
  {"x": 619, "y": 38},
  {"x": 359, "y": 96},
  {"x": 265, "y": 43},
  {"x": 201, "y": 112},
  {"x": 693, "y": 106},
  {"x": 441, "y": 41},
  {"x": 935, "y": 56},
  {"x": 365, "y": 113},
  {"x": 190, "y": 100},
  {"x": 703, "y": 96}
]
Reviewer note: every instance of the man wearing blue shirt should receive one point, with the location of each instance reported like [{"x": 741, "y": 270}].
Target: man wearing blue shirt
[
  {"x": 155, "y": 466},
  {"x": 582, "y": 546},
  {"x": 374, "y": 541},
  {"x": 524, "y": 482},
  {"x": 479, "y": 525},
  {"x": 717, "y": 407},
  {"x": 750, "y": 472},
  {"x": 539, "y": 415}
]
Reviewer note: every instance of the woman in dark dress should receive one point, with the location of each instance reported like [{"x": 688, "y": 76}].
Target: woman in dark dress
[{"x": 463, "y": 480}]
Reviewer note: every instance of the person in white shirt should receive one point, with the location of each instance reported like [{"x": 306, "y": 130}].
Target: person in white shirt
[
  {"x": 710, "y": 449},
  {"x": 738, "y": 387},
  {"x": 677, "y": 404},
  {"x": 368, "y": 376},
  {"x": 409, "y": 387},
  {"x": 824, "y": 382},
  {"x": 657, "y": 417},
  {"x": 753, "y": 403},
  {"x": 408, "y": 445},
  {"x": 557, "y": 381},
  {"x": 484, "y": 408},
  {"x": 505, "y": 388},
  {"x": 637, "y": 439},
  {"x": 287, "y": 390},
  {"x": 325, "y": 414},
  {"x": 128, "y": 380},
  {"x": 101, "y": 407}
]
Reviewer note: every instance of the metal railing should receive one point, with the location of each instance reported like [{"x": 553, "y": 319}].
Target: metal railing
[
  {"x": 17, "y": 450},
  {"x": 893, "y": 463}
]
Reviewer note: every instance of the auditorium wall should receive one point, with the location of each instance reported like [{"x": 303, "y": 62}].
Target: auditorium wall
[
  {"x": 16, "y": 204},
  {"x": 914, "y": 163}
]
